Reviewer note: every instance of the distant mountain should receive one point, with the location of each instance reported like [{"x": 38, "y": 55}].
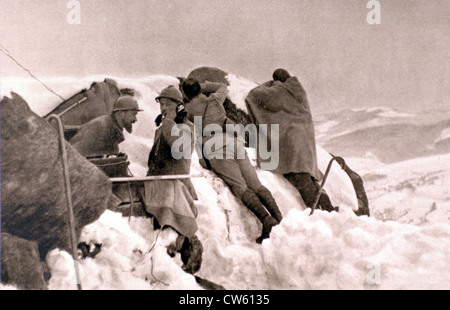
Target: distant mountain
[{"x": 386, "y": 134}]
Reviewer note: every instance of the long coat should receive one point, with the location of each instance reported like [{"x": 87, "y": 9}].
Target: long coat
[
  {"x": 286, "y": 104},
  {"x": 161, "y": 160},
  {"x": 169, "y": 201},
  {"x": 100, "y": 136}
]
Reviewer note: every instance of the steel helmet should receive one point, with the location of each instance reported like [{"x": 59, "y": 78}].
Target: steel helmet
[
  {"x": 125, "y": 103},
  {"x": 172, "y": 93}
]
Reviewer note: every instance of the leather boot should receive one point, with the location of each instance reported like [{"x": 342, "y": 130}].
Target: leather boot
[
  {"x": 325, "y": 203},
  {"x": 192, "y": 254},
  {"x": 251, "y": 201},
  {"x": 268, "y": 222},
  {"x": 266, "y": 198},
  {"x": 305, "y": 186}
]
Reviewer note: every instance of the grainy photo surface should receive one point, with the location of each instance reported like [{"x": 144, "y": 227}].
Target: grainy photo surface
[{"x": 230, "y": 145}]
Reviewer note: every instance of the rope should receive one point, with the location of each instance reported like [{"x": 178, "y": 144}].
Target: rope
[
  {"x": 151, "y": 259},
  {"x": 154, "y": 242},
  {"x": 5, "y": 51},
  {"x": 154, "y": 277}
]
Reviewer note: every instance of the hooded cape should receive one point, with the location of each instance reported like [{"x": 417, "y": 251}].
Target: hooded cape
[{"x": 286, "y": 104}]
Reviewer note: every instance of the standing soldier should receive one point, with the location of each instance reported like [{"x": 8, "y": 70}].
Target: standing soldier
[{"x": 283, "y": 101}]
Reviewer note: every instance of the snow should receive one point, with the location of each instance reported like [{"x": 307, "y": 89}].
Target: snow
[
  {"x": 325, "y": 129},
  {"x": 238, "y": 90},
  {"x": 384, "y": 112},
  {"x": 393, "y": 114},
  {"x": 405, "y": 244},
  {"x": 34, "y": 92},
  {"x": 130, "y": 258},
  {"x": 335, "y": 251},
  {"x": 414, "y": 191},
  {"x": 445, "y": 135}
]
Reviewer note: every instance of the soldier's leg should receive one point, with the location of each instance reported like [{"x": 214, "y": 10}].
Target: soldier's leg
[
  {"x": 230, "y": 171},
  {"x": 324, "y": 200},
  {"x": 253, "y": 182},
  {"x": 305, "y": 185},
  {"x": 249, "y": 173},
  {"x": 309, "y": 188}
]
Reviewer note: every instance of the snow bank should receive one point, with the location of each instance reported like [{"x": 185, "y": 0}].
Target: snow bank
[
  {"x": 324, "y": 251},
  {"x": 342, "y": 251},
  {"x": 239, "y": 89},
  {"x": 133, "y": 256}
]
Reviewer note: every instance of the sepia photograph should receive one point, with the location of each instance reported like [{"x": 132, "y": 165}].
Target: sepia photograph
[{"x": 242, "y": 147}]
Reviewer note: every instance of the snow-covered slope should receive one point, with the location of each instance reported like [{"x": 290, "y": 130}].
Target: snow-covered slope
[
  {"x": 383, "y": 133},
  {"x": 394, "y": 249},
  {"x": 415, "y": 191}
]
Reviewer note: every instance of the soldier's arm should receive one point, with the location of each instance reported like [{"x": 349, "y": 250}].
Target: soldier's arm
[
  {"x": 219, "y": 91},
  {"x": 266, "y": 97}
]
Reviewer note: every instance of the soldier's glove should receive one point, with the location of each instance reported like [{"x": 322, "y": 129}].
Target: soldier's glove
[
  {"x": 158, "y": 120},
  {"x": 181, "y": 114}
]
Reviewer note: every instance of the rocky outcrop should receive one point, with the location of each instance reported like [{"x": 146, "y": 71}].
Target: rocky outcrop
[
  {"x": 21, "y": 265},
  {"x": 33, "y": 196}
]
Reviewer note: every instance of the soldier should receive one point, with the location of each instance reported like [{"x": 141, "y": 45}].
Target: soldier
[
  {"x": 283, "y": 101},
  {"x": 102, "y": 135},
  {"x": 171, "y": 202},
  {"x": 237, "y": 173}
]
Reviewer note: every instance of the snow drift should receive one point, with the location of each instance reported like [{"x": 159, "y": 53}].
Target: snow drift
[{"x": 323, "y": 251}]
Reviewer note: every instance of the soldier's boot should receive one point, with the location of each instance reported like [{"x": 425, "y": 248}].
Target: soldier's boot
[
  {"x": 325, "y": 203},
  {"x": 266, "y": 198},
  {"x": 192, "y": 254},
  {"x": 251, "y": 201}
]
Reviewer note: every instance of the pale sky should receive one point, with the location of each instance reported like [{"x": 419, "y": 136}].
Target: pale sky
[{"x": 342, "y": 60}]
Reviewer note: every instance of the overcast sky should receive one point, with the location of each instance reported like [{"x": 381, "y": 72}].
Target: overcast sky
[{"x": 341, "y": 59}]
